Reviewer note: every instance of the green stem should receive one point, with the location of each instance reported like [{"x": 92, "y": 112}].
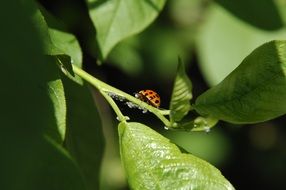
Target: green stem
[
  {"x": 106, "y": 89},
  {"x": 114, "y": 106}
]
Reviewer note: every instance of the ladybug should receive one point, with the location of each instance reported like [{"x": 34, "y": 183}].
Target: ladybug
[{"x": 150, "y": 97}]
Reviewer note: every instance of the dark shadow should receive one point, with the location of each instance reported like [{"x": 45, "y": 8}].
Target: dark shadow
[
  {"x": 263, "y": 14},
  {"x": 97, "y": 3},
  {"x": 84, "y": 137},
  {"x": 100, "y": 2}
]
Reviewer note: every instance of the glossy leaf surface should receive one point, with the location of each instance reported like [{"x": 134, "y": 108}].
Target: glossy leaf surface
[
  {"x": 151, "y": 161},
  {"x": 254, "y": 92}
]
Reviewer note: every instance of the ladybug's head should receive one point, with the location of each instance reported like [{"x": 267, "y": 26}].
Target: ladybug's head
[{"x": 138, "y": 95}]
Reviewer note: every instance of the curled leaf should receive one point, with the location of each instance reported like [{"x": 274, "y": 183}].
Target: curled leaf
[{"x": 182, "y": 94}]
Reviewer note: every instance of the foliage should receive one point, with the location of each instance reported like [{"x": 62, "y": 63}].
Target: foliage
[
  {"x": 117, "y": 19},
  {"x": 253, "y": 92},
  {"x": 182, "y": 94},
  {"x": 32, "y": 155},
  {"x": 153, "y": 162},
  {"x": 52, "y": 124}
]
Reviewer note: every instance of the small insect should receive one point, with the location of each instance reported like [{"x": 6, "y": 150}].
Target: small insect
[{"x": 149, "y": 96}]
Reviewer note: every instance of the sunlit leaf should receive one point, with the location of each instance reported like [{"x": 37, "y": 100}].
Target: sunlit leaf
[
  {"x": 57, "y": 95},
  {"x": 117, "y": 19},
  {"x": 182, "y": 94},
  {"x": 61, "y": 45},
  {"x": 152, "y": 162},
  {"x": 57, "y": 43},
  {"x": 65, "y": 43},
  {"x": 254, "y": 92},
  {"x": 55, "y": 87}
]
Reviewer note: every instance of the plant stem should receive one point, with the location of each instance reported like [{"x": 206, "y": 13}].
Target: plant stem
[
  {"x": 114, "y": 106},
  {"x": 106, "y": 89}
]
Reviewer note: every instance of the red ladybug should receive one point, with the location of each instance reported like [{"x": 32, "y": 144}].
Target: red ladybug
[{"x": 149, "y": 96}]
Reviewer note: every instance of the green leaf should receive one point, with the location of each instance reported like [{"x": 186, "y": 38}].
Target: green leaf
[
  {"x": 57, "y": 42},
  {"x": 57, "y": 96},
  {"x": 84, "y": 138},
  {"x": 65, "y": 43},
  {"x": 198, "y": 124},
  {"x": 64, "y": 62},
  {"x": 152, "y": 162},
  {"x": 61, "y": 45},
  {"x": 224, "y": 41},
  {"x": 180, "y": 103},
  {"x": 117, "y": 19},
  {"x": 30, "y": 159},
  {"x": 204, "y": 123},
  {"x": 254, "y": 92},
  {"x": 254, "y": 12}
]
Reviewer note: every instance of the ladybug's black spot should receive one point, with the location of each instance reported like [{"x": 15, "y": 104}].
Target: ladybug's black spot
[
  {"x": 157, "y": 101},
  {"x": 150, "y": 93}
]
